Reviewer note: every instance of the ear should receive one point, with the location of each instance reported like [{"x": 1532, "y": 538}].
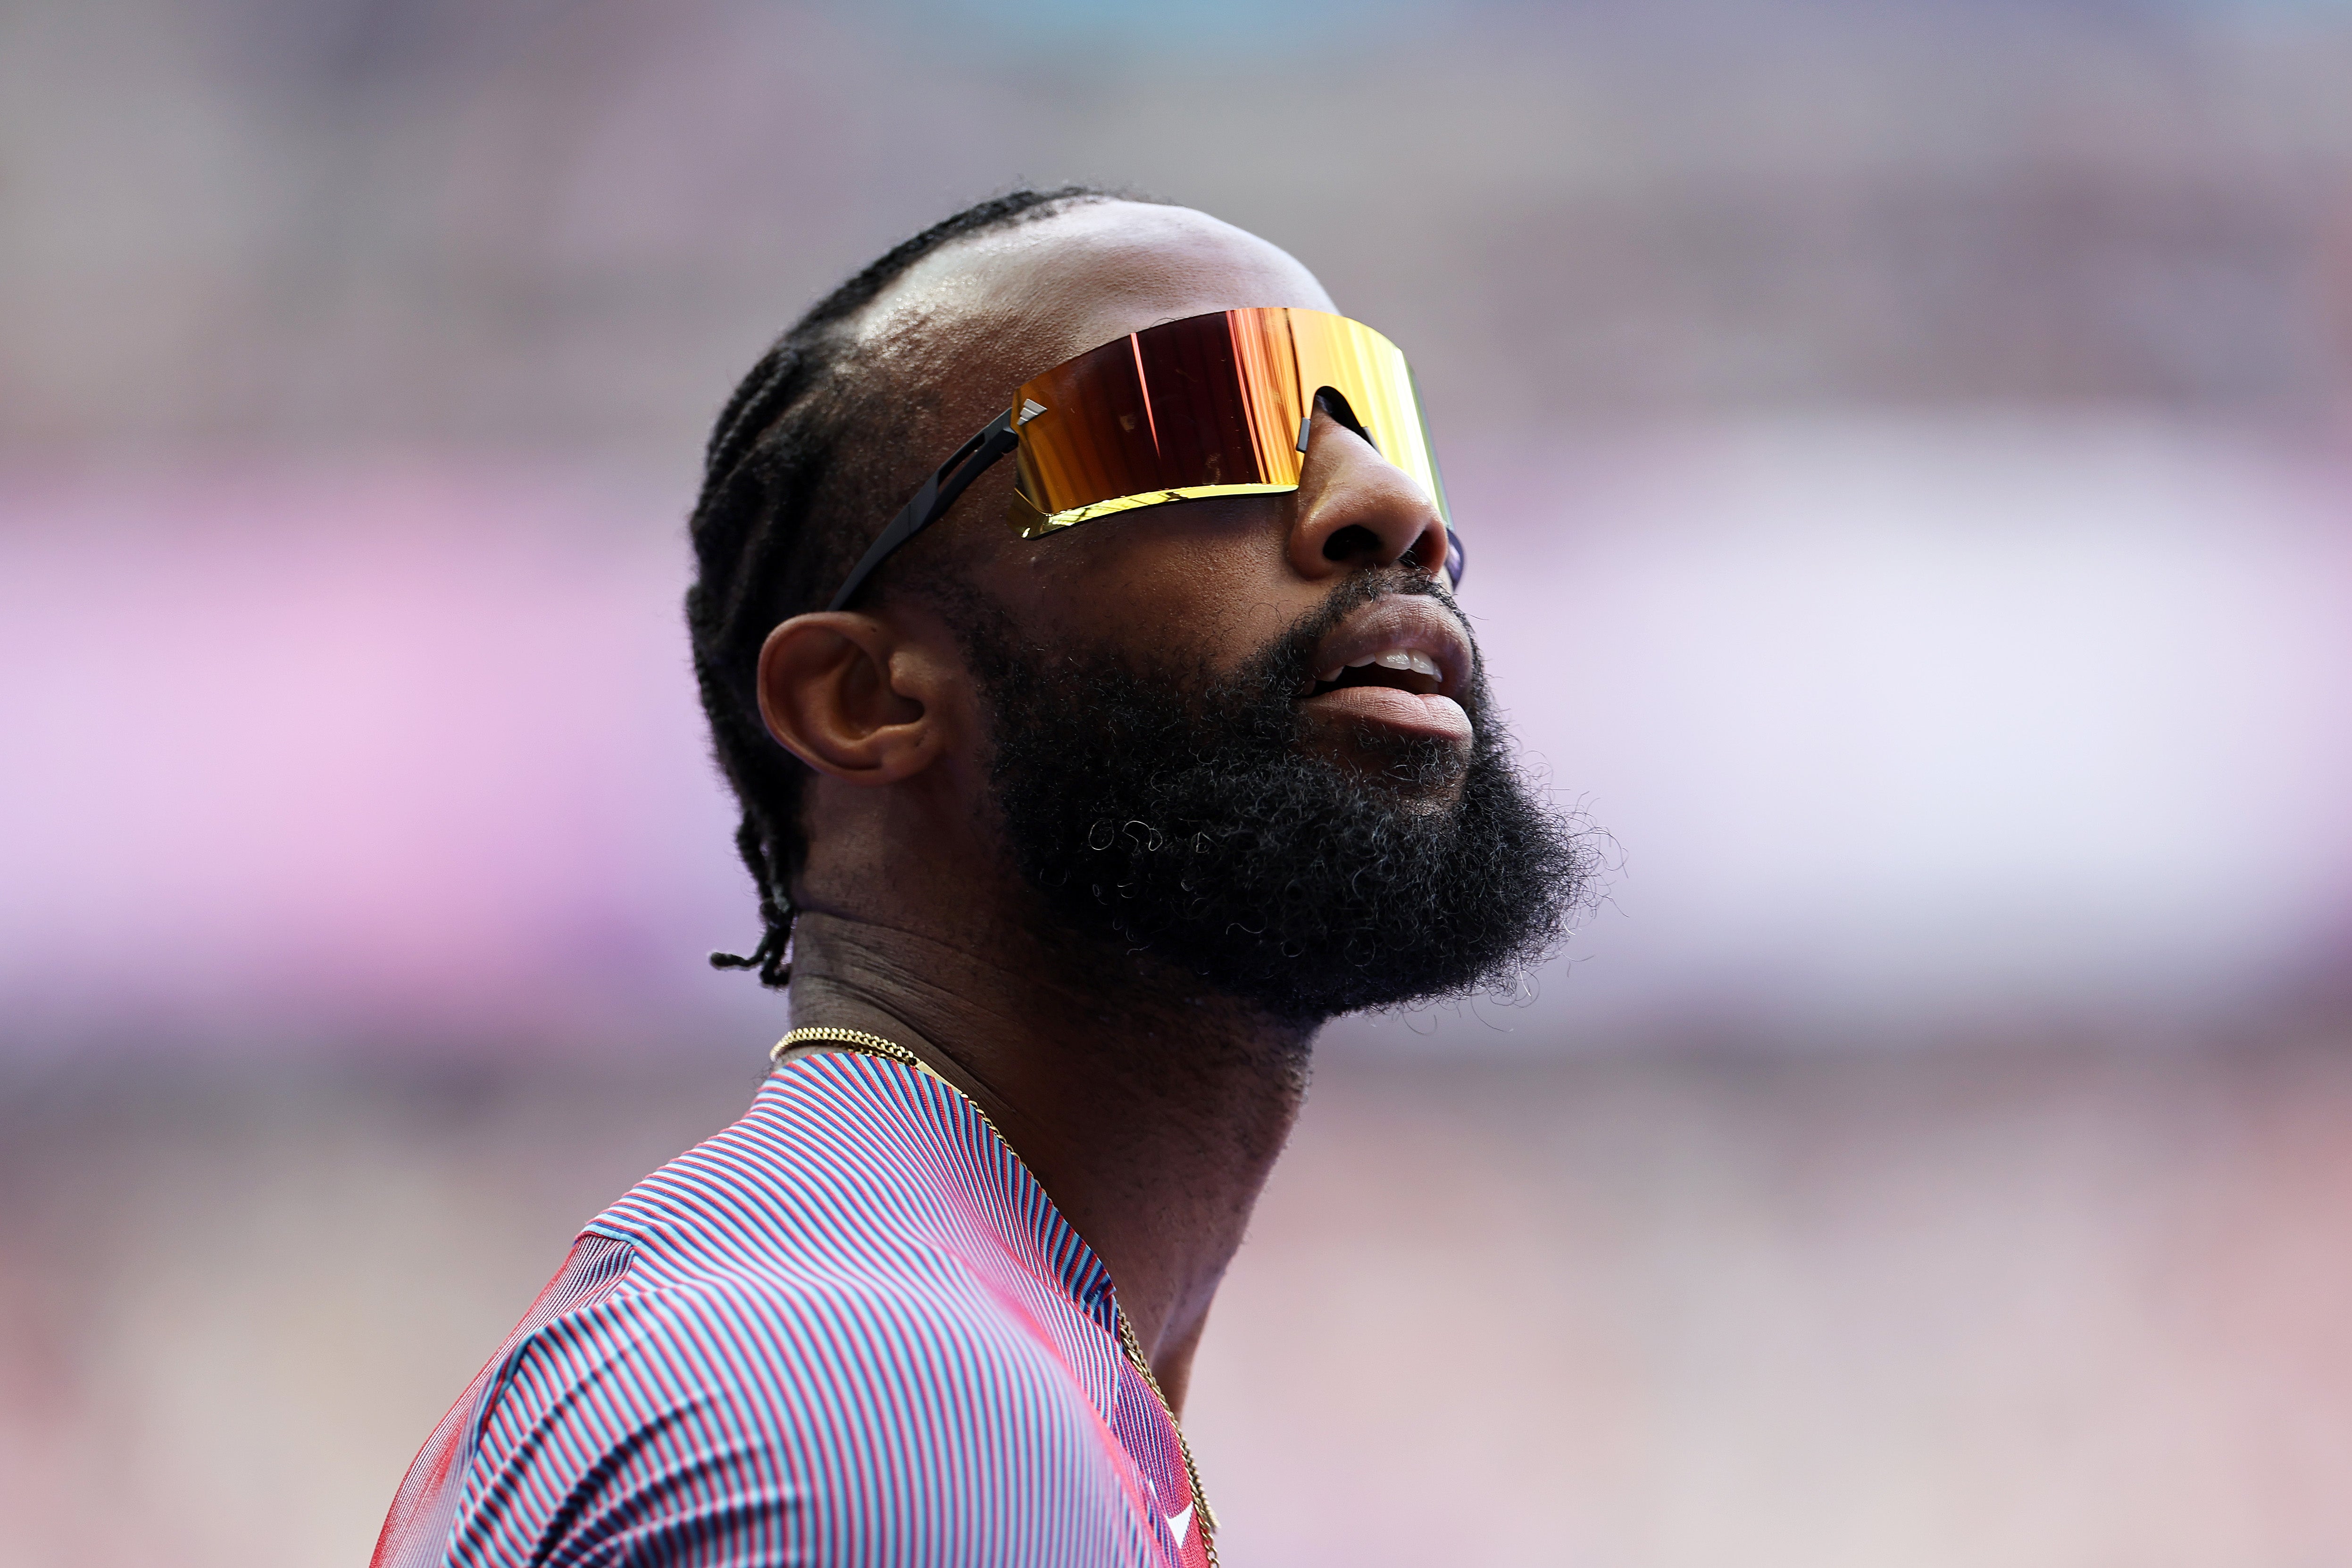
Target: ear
[{"x": 845, "y": 694}]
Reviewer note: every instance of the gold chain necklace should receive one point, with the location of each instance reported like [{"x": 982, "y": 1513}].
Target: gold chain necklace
[{"x": 875, "y": 1046}]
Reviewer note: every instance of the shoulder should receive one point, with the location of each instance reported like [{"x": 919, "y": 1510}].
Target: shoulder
[
  {"x": 822, "y": 1344},
  {"x": 834, "y": 1148},
  {"x": 830, "y": 1421}
]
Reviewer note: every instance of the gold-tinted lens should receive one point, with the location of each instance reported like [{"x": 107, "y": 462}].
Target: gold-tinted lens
[{"x": 1208, "y": 405}]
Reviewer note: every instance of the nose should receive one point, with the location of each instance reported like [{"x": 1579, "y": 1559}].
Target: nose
[{"x": 1356, "y": 508}]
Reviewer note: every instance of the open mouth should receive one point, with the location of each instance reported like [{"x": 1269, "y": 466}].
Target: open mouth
[
  {"x": 1401, "y": 663},
  {"x": 1400, "y": 670}
]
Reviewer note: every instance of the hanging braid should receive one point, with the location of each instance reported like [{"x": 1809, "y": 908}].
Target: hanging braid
[{"x": 788, "y": 504}]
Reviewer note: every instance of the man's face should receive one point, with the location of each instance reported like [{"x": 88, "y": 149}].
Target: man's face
[{"x": 1248, "y": 734}]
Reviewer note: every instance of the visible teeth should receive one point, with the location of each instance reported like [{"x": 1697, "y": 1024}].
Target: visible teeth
[
  {"x": 1401, "y": 659},
  {"x": 1387, "y": 658}
]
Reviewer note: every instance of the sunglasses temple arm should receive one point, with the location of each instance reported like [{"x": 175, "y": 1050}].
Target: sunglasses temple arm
[{"x": 971, "y": 461}]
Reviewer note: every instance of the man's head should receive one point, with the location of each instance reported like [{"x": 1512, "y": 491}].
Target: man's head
[{"x": 1136, "y": 722}]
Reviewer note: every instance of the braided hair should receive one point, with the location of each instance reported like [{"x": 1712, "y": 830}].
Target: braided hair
[{"x": 786, "y": 508}]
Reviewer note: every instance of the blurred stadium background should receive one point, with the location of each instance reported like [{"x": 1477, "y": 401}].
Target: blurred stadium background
[{"x": 1902, "y": 447}]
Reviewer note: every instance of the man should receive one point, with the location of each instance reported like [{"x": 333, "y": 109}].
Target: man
[{"x": 1078, "y": 830}]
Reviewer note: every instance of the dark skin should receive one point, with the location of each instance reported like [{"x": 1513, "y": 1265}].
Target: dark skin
[{"x": 1150, "y": 1108}]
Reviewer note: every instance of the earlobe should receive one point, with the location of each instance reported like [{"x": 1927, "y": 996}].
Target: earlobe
[{"x": 828, "y": 695}]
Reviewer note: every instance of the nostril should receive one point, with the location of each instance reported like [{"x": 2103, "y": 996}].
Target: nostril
[
  {"x": 1348, "y": 543},
  {"x": 1428, "y": 556}
]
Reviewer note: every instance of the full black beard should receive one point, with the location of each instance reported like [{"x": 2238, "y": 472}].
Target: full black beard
[{"x": 1173, "y": 814}]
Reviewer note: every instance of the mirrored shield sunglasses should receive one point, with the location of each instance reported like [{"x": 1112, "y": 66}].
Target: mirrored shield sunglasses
[{"x": 1218, "y": 404}]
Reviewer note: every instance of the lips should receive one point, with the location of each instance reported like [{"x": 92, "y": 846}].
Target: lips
[{"x": 1400, "y": 662}]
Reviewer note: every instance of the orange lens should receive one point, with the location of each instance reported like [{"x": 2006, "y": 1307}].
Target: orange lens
[{"x": 1208, "y": 405}]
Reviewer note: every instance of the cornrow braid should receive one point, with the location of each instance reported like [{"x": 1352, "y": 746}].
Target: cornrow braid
[{"x": 781, "y": 517}]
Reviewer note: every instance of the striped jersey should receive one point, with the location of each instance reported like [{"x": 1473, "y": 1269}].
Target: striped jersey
[{"x": 850, "y": 1328}]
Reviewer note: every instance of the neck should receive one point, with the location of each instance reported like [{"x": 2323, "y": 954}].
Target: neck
[{"x": 1150, "y": 1110}]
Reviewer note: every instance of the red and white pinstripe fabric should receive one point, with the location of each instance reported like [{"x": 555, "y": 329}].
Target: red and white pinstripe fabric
[{"x": 850, "y": 1328}]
